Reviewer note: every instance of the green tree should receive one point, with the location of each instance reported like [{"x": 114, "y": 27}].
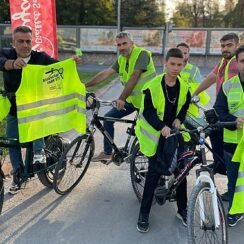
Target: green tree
[
  {"x": 235, "y": 17},
  {"x": 4, "y": 11},
  {"x": 142, "y": 13},
  {"x": 85, "y": 12},
  {"x": 198, "y": 13}
]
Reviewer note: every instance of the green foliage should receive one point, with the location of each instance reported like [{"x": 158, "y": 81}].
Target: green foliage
[
  {"x": 142, "y": 13},
  {"x": 198, "y": 13},
  {"x": 4, "y": 11},
  {"x": 85, "y": 12},
  {"x": 234, "y": 17}
]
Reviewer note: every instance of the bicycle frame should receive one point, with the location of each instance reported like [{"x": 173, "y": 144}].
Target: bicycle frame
[{"x": 96, "y": 123}]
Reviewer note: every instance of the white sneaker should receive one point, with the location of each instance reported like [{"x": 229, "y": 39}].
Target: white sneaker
[
  {"x": 39, "y": 157},
  {"x": 13, "y": 189}
]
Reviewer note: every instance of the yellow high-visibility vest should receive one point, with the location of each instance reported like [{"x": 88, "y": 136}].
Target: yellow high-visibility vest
[
  {"x": 136, "y": 95},
  {"x": 4, "y": 107},
  {"x": 233, "y": 91},
  {"x": 147, "y": 136},
  {"x": 50, "y": 99},
  {"x": 188, "y": 74}
]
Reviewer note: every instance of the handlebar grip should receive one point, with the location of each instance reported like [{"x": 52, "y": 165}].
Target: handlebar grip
[{"x": 225, "y": 124}]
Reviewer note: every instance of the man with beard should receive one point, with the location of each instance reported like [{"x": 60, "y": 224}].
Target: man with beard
[
  {"x": 135, "y": 68},
  {"x": 223, "y": 71}
]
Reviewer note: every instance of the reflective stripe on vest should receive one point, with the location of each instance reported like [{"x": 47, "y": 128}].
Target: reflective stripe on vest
[
  {"x": 150, "y": 73},
  {"x": 4, "y": 107},
  {"x": 50, "y": 99},
  {"x": 147, "y": 136},
  {"x": 235, "y": 98}
]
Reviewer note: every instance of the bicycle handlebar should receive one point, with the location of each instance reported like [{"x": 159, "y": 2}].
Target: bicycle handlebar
[
  {"x": 7, "y": 94},
  {"x": 200, "y": 129}
]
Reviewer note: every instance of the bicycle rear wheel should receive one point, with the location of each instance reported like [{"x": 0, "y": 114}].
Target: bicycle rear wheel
[
  {"x": 73, "y": 164},
  {"x": 204, "y": 231},
  {"x": 138, "y": 171}
]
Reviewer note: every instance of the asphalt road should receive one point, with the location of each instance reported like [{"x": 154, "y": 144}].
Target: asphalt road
[{"x": 102, "y": 209}]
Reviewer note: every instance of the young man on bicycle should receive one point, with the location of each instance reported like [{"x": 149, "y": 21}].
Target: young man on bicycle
[
  {"x": 224, "y": 70},
  {"x": 135, "y": 67},
  {"x": 11, "y": 63},
  {"x": 164, "y": 105},
  {"x": 230, "y": 107}
]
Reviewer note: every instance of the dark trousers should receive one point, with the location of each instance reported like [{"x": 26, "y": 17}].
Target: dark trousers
[
  {"x": 216, "y": 138},
  {"x": 151, "y": 183},
  {"x": 232, "y": 174},
  {"x": 109, "y": 126}
]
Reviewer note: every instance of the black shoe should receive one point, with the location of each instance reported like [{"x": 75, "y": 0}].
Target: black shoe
[
  {"x": 224, "y": 197},
  {"x": 142, "y": 224},
  {"x": 234, "y": 219},
  {"x": 182, "y": 215}
]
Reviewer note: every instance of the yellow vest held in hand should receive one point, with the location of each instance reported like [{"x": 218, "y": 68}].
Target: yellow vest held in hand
[
  {"x": 4, "y": 107},
  {"x": 50, "y": 99}
]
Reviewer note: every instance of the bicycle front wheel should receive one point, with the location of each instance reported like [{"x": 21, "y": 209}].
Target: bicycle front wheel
[
  {"x": 138, "y": 171},
  {"x": 73, "y": 164},
  {"x": 200, "y": 217}
]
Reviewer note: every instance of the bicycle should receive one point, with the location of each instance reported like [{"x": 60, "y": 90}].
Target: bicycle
[
  {"x": 75, "y": 160},
  {"x": 55, "y": 145},
  {"x": 205, "y": 208}
]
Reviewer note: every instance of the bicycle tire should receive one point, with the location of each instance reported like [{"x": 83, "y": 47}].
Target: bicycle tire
[
  {"x": 207, "y": 229},
  {"x": 54, "y": 149},
  {"x": 73, "y": 164},
  {"x": 138, "y": 171},
  {"x": 1, "y": 193}
]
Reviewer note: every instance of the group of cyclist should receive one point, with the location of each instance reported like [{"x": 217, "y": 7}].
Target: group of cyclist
[{"x": 163, "y": 102}]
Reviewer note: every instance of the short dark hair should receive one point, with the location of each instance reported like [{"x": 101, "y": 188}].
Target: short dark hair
[
  {"x": 23, "y": 29},
  {"x": 239, "y": 50},
  {"x": 230, "y": 36},
  {"x": 123, "y": 34},
  {"x": 175, "y": 53},
  {"x": 183, "y": 44}
]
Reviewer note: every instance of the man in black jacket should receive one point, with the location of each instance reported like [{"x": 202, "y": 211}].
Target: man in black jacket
[{"x": 11, "y": 63}]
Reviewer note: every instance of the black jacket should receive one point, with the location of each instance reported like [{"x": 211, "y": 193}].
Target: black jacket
[{"x": 12, "y": 78}]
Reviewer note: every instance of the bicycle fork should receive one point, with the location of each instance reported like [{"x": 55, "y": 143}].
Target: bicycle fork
[{"x": 213, "y": 191}]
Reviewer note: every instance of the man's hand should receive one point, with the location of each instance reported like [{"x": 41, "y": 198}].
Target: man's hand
[
  {"x": 165, "y": 131},
  {"x": 19, "y": 63},
  {"x": 77, "y": 59},
  {"x": 176, "y": 123},
  {"x": 120, "y": 104},
  {"x": 239, "y": 123}
]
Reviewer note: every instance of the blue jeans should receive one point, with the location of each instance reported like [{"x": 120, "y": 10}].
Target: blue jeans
[
  {"x": 232, "y": 174},
  {"x": 109, "y": 126},
  {"x": 15, "y": 152}
]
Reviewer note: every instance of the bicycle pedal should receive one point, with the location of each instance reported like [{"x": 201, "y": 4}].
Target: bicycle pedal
[
  {"x": 106, "y": 162},
  {"x": 127, "y": 159}
]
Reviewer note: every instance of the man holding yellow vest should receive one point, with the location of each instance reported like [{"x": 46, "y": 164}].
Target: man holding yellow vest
[
  {"x": 164, "y": 105},
  {"x": 135, "y": 67},
  {"x": 11, "y": 63},
  {"x": 230, "y": 107}
]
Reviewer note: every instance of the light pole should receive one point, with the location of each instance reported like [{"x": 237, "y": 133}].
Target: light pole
[{"x": 118, "y": 15}]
